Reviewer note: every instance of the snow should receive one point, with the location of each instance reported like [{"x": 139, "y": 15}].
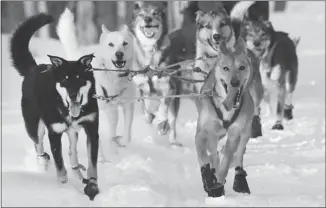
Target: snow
[{"x": 284, "y": 168}]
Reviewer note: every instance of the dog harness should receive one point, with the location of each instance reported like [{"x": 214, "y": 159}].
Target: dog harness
[{"x": 227, "y": 123}]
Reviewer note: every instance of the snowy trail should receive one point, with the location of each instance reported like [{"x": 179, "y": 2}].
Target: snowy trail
[{"x": 284, "y": 168}]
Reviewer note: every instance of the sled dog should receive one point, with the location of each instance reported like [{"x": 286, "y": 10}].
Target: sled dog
[{"x": 57, "y": 96}]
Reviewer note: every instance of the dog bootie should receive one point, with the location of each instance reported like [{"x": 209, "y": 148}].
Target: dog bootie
[
  {"x": 91, "y": 189},
  {"x": 240, "y": 184},
  {"x": 256, "y": 127},
  {"x": 278, "y": 126},
  {"x": 211, "y": 186},
  {"x": 288, "y": 114}
]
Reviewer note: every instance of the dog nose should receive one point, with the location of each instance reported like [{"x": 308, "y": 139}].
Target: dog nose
[
  {"x": 148, "y": 19},
  {"x": 216, "y": 37},
  {"x": 235, "y": 82},
  {"x": 256, "y": 43},
  {"x": 73, "y": 96},
  {"x": 119, "y": 55}
]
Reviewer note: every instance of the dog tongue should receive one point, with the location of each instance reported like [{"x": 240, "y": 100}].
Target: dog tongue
[
  {"x": 74, "y": 109},
  {"x": 230, "y": 98}
]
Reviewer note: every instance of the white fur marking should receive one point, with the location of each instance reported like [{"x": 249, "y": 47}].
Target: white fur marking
[
  {"x": 83, "y": 92},
  {"x": 276, "y": 73},
  {"x": 63, "y": 93},
  {"x": 59, "y": 127}
]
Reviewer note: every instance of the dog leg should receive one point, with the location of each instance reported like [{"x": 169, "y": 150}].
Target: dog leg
[
  {"x": 288, "y": 108},
  {"x": 73, "y": 154},
  {"x": 128, "y": 111},
  {"x": 208, "y": 164},
  {"x": 280, "y": 109},
  {"x": 36, "y": 131},
  {"x": 113, "y": 116},
  {"x": 256, "y": 124},
  {"x": 91, "y": 130},
  {"x": 56, "y": 148},
  {"x": 163, "y": 125},
  {"x": 240, "y": 183},
  {"x": 172, "y": 117},
  {"x": 229, "y": 150}
]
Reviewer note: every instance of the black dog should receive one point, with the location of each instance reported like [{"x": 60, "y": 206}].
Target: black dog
[{"x": 58, "y": 97}]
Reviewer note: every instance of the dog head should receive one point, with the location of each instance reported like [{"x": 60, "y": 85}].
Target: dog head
[
  {"x": 213, "y": 27},
  {"x": 232, "y": 72},
  {"x": 258, "y": 35},
  {"x": 73, "y": 81},
  {"x": 149, "y": 22},
  {"x": 116, "y": 48}
]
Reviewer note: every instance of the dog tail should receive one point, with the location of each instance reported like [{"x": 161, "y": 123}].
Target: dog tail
[
  {"x": 21, "y": 56},
  {"x": 66, "y": 31},
  {"x": 237, "y": 15}
]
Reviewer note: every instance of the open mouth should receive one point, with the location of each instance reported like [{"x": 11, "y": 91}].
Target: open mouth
[
  {"x": 119, "y": 63},
  {"x": 214, "y": 44},
  {"x": 237, "y": 97},
  {"x": 148, "y": 30},
  {"x": 75, "y": 108},
  {"x": 233, "y": 97}
]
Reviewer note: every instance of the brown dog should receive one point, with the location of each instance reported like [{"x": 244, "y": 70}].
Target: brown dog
[{"x": 230, "y": 111}]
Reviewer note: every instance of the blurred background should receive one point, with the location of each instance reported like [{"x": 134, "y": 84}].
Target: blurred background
[{"x": 90, "y": 15}]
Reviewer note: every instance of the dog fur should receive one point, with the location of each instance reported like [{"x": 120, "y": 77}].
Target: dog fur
[
  {"x": 278, "y": 66},
  {"x": 230, "y": 111},
  {"x": 57, "y": 96},
  {"x": 151, "y": 16},
  {"x": 115, "y": 51},
  {"x": 228, "y": 29}
]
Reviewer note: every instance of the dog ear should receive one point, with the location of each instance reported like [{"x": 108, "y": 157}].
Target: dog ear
[
  {"x": 199, "y": 14},
  {"x": 56, "y": 61},
  {"x": 241, "y": 46},
  {"x": 268, "y": 24},
  {"x": 223, "y": 48},
  {"x": 86, "y": 60},
  {"x": 296, "y": 41},
  {"x": 125, "y": 28},
  {"x": 137, "y": 5},
  {"x": 104, "y": 29}
]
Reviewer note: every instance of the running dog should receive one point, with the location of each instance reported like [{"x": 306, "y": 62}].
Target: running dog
[
  {"x": 149, "y": 27},
  {"x": 214, "y": 27},
  {"x": 57, "y": 96},
  {"x": 278, "y": 66},
  {"x": 115, "y": 51},
  {"x": 229, "y": 111}
]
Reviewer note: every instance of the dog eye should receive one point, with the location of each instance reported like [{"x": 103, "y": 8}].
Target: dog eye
[
  {"x": 208, "y": 26},
  {"x": 263, "y": 34},
  {"x": 125, "y": 44},
  {"x": 111, "y": 44},
  {"x": 226, "y": 69},
  {"x": 222, "y": 24},
  {"x": 241, "y": 68}
]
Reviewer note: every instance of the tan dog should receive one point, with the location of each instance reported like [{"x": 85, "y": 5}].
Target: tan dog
[
  {"x": 214, "y": 27},
  {"x": 229, "y": 112}
]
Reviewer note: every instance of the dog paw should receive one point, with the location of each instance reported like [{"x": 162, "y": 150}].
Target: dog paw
[
  {"x": 175, "y": 144},
  {"x": 240, "y": 183},
  {"x": 148, "y": 118},
  {"x": 288, "y": 113},
  {"x": 121, "y": 141},
  {"x": 216, "y": 192},
  {"x": 91, "y": 189},
  {"x": 256, "y": 127},
  {"x": 102, "y": 159},
  {"x": 62, "y": 176},
  {"x": 43, "y": 160},
  {"x": 278, "y": 126},
  {"x": 163, "y": 127}
]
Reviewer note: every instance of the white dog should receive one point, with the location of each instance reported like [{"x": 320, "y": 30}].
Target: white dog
[{"x": 115, "y": 52}]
